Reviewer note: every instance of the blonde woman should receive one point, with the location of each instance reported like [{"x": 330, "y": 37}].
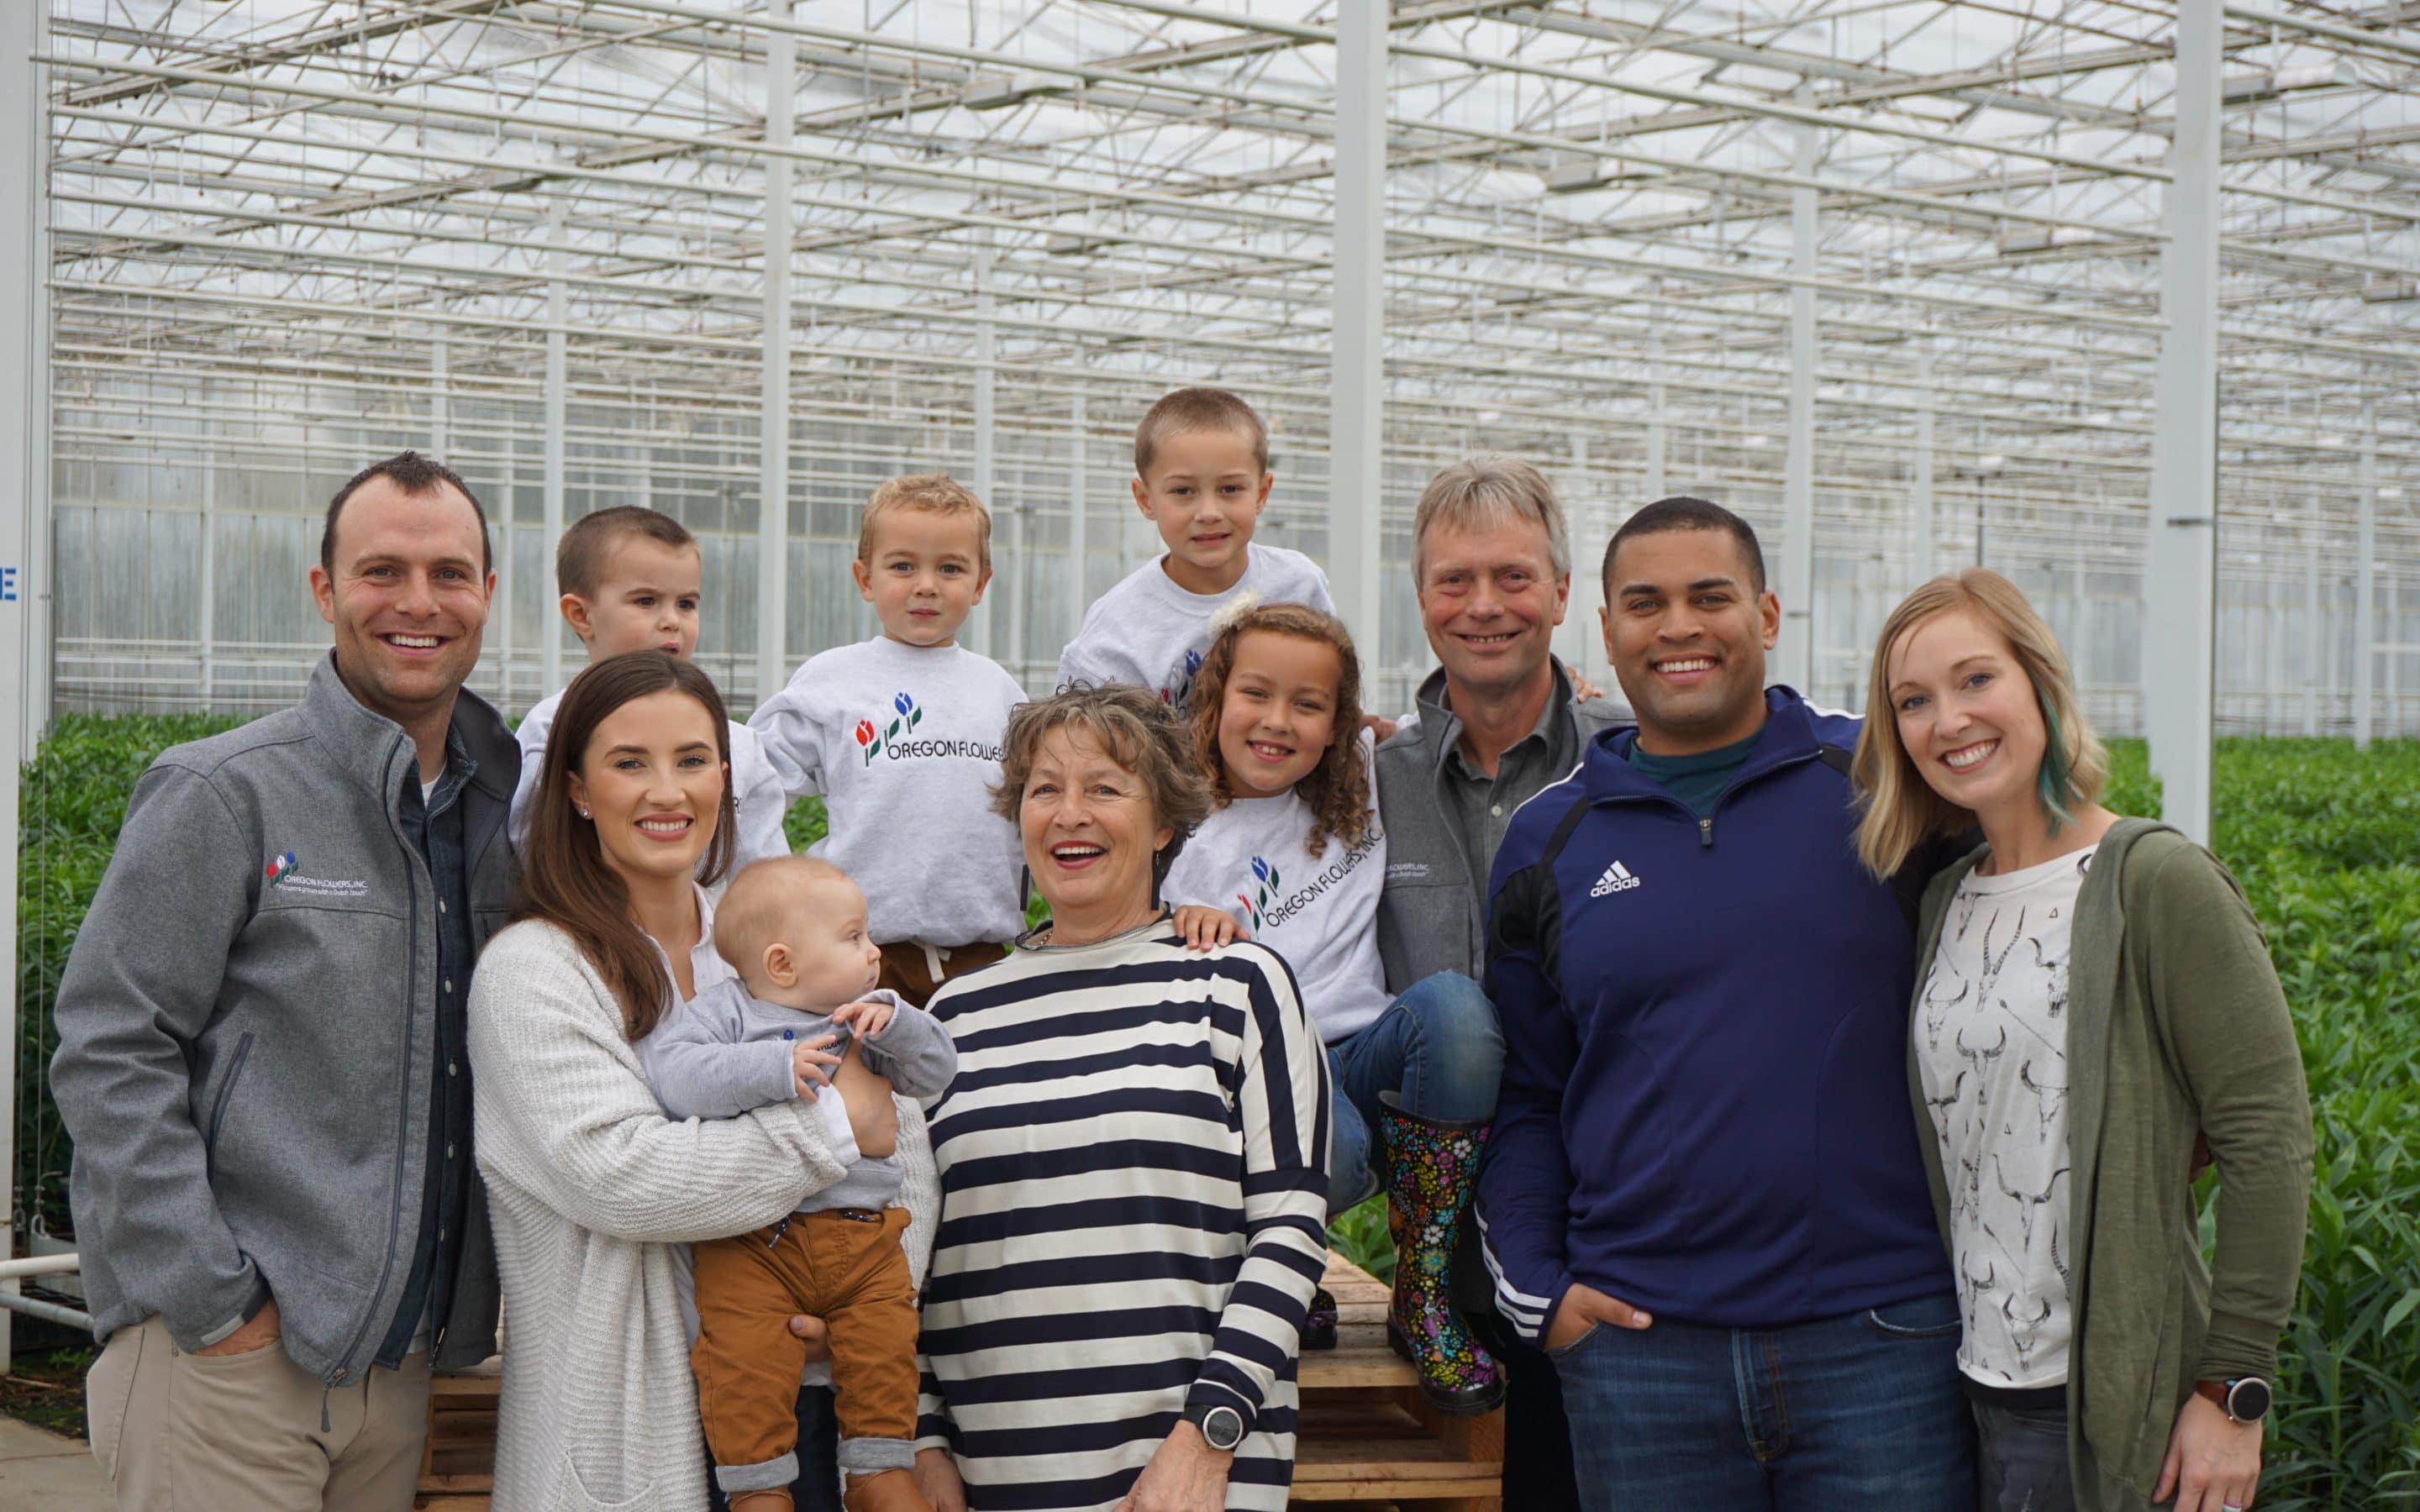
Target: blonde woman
[{"x": 2095, "y": 995}]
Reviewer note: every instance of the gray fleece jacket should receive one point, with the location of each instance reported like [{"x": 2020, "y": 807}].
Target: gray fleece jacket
[
  {"x": 1432, "y": 914},
  {"x": 246, "y": 1032}
]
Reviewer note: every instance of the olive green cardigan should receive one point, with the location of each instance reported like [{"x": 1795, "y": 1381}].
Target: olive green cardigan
[{"x": 2175, "y": 1026}]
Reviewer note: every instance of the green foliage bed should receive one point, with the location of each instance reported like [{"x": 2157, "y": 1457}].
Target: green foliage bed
[{"x": 2325, "y": 841}]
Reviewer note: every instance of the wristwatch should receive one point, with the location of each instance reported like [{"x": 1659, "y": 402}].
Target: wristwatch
[
  {"x": 1222, "y": 1428},
  {"x": 2243, "y": 1399}
]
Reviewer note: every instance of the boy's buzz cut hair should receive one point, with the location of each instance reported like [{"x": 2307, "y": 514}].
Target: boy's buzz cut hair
[
  {"x": 1192, "y": 409},
  {"x": 934, "y": 493},
  {"x": 579, "y": 556}
]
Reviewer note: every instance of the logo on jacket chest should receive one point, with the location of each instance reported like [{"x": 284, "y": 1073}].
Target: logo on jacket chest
[
  {"x": 1617, "y": 878},
  {"x": 284, "y": 873}
]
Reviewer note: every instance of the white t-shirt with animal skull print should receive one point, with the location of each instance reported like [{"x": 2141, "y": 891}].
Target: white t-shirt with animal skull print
[{"x": 1990, "y": 1043}]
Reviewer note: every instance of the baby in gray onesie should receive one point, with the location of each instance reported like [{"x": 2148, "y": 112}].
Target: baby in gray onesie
[{"x": 794, "y": 929}]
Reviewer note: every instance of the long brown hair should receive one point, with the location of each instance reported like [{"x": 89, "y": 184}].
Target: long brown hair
[
  {"x": 1338, "y": 789},
  {"x": 564, "y": 879}
]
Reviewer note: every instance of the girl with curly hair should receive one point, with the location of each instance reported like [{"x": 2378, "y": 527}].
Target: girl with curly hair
[{"x": 1291, "y": 855}]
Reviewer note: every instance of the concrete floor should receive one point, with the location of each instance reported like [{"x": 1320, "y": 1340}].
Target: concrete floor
[{"x": 41, "y": 1471}]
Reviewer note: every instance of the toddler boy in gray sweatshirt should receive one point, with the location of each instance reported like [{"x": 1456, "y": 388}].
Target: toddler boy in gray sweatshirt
[{"x": 795, "y": 929}]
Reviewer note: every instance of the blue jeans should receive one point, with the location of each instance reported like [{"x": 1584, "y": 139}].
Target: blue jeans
[
  {"x": 1844, "y": 1414},
  {"x": 1437, "y": 1048},
  {"x": 2024, "y": 1458}
]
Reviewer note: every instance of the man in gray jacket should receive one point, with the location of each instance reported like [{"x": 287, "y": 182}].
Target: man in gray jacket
[
  {"x": 262, "y": 1053},
  {"x": 1499, "y": 722}
]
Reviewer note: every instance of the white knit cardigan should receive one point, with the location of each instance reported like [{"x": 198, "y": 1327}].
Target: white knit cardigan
[{"x": 592, "y": 1192}]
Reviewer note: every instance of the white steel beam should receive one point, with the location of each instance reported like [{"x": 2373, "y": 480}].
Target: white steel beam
[
  {"x": 2181, "y": 567},
  {"x": 25, "y": 512},
  {"x": 2315, "y": 620},
  {"x": 986, "y": 427},
  {"x": 1920, "y": 500},
  {"x": 1357, "y": 291},
  {"x": 773, "y": 408},
  {"x": 2365, "y": 593},
  {"x": 558, "y": 426},
  {"x": 1794, "y": 661},
  {"x": 1079, "y": 513}
]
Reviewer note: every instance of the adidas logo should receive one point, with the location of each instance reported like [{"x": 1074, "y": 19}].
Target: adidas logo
[{"x": 1617, "y": 878}]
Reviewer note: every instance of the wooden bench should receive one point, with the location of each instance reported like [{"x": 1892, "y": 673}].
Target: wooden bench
[{"x": 1367, "y": 1440}]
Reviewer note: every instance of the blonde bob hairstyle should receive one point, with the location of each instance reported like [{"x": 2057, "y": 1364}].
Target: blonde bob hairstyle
[
  {"x": 1134, "y": 729},
  {"x": 1901, "y": 810}
]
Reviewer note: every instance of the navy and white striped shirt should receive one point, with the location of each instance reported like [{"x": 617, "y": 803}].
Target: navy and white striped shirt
[{"x": 1134, "y": 1198}]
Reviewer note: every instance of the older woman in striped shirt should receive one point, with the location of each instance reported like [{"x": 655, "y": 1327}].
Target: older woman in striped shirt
[{"x": 1133, "y": 1164}]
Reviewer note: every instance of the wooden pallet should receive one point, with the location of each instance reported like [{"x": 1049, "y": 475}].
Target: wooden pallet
[{"x": 1367, "y": 1440}]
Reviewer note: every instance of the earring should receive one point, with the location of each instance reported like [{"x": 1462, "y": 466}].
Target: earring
[{"x": 583, "y": 813}]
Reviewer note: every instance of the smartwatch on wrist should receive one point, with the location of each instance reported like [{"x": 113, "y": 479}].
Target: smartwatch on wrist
[
  {"x": 1222, "y": 1428},
  {"x": 2243, "y": 1399}
]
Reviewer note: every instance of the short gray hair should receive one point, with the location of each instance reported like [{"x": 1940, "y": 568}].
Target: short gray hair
[
  {"x": 1489, "y": 491},
  {"x": 1136, "y": 730}
]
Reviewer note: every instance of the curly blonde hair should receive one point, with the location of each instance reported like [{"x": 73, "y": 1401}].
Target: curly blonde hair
[{"x": 1338, "y": 789}]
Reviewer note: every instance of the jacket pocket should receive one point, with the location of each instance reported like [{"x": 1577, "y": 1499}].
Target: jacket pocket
[{"x": 226, "y": 1092}]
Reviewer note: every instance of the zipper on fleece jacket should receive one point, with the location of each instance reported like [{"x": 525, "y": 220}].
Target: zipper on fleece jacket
[{"x": 403, "y": 1114}]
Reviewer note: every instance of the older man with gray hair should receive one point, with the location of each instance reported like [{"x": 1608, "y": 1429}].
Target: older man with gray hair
[{"x": 1499, "y": 720}]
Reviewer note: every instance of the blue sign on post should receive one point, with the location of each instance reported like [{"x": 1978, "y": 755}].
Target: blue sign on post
[{"x": 7, "y": 585}]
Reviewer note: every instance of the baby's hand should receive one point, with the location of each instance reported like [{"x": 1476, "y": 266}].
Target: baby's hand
[
  {"x": 808, "y": 1059},
  {"x": 870, "y": 1018},
  {"x": 1206, "y": 928}
]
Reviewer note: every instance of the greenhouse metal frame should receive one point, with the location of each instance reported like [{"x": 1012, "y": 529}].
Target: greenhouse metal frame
[{"x": 2121, "y": 299}]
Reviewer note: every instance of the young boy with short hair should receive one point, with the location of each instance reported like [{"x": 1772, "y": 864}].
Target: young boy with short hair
[
  {"x": 1202, "y": 475},
  {"x": 901, "y": 734},
  {"x": 632, "y": 578},
  {"x": 794, "y": 931}
]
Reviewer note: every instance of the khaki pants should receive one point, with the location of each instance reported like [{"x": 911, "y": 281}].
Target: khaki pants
[
  {"x": 847, "y": 1269},
  {"x": 915, "y": 971},
  {"x": 178, "y": 1432}
]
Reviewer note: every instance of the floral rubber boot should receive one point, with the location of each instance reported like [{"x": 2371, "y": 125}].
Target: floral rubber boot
[{"x": 1431, "y": 1170}]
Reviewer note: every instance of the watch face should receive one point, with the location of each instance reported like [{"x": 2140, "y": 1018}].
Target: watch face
[
  {"x": 2247, "y": 1400},
  {"x": 1223, "y": 1427}
]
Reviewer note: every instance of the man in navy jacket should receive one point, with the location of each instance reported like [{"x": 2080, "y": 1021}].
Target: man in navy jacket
[{"x": 1703, "y": 1195}]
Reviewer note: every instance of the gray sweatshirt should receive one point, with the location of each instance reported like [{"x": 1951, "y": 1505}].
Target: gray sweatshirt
[{"x": 723, "y": 1052}]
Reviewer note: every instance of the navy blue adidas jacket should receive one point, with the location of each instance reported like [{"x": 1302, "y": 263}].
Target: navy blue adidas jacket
[{"x": 1704, "y": 1109}]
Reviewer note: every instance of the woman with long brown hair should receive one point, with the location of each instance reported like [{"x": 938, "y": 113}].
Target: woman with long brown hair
[{"x": 593, "y": 1194}]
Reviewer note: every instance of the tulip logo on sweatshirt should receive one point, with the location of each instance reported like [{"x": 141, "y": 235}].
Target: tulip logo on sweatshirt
[
  {"x": 1177, "y": 693},
  {"x": 1264, "y": 885},
  {"x": 897, "y": 738},
  {"x": 1269, "y": 905},
  {"x": 281, "y": 867}
]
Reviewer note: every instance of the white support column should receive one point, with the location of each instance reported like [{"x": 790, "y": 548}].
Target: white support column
[
  {"x": 440, "y": 399},
  {"x": 1920, "y": 503},
  {"x": 2180, "y": 566},
  {"x": 1358, "y": 295},
  {"x": 986, "y": 424},
  {"x": 206, "y": 615},
  {"x": 25, "y": 504},
  {"x": 1581, "y": 506},
  {"x": 2315, "y": 620},
  {"x": 2364, "y": 591},
  {"x": 558, "y": 424},
  {"x": 773, "y": 410},
  {"x": 1080, "y": 510},
  {"x": 1795, "y": 658},
  {"x": 1659, "y": 432}
]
